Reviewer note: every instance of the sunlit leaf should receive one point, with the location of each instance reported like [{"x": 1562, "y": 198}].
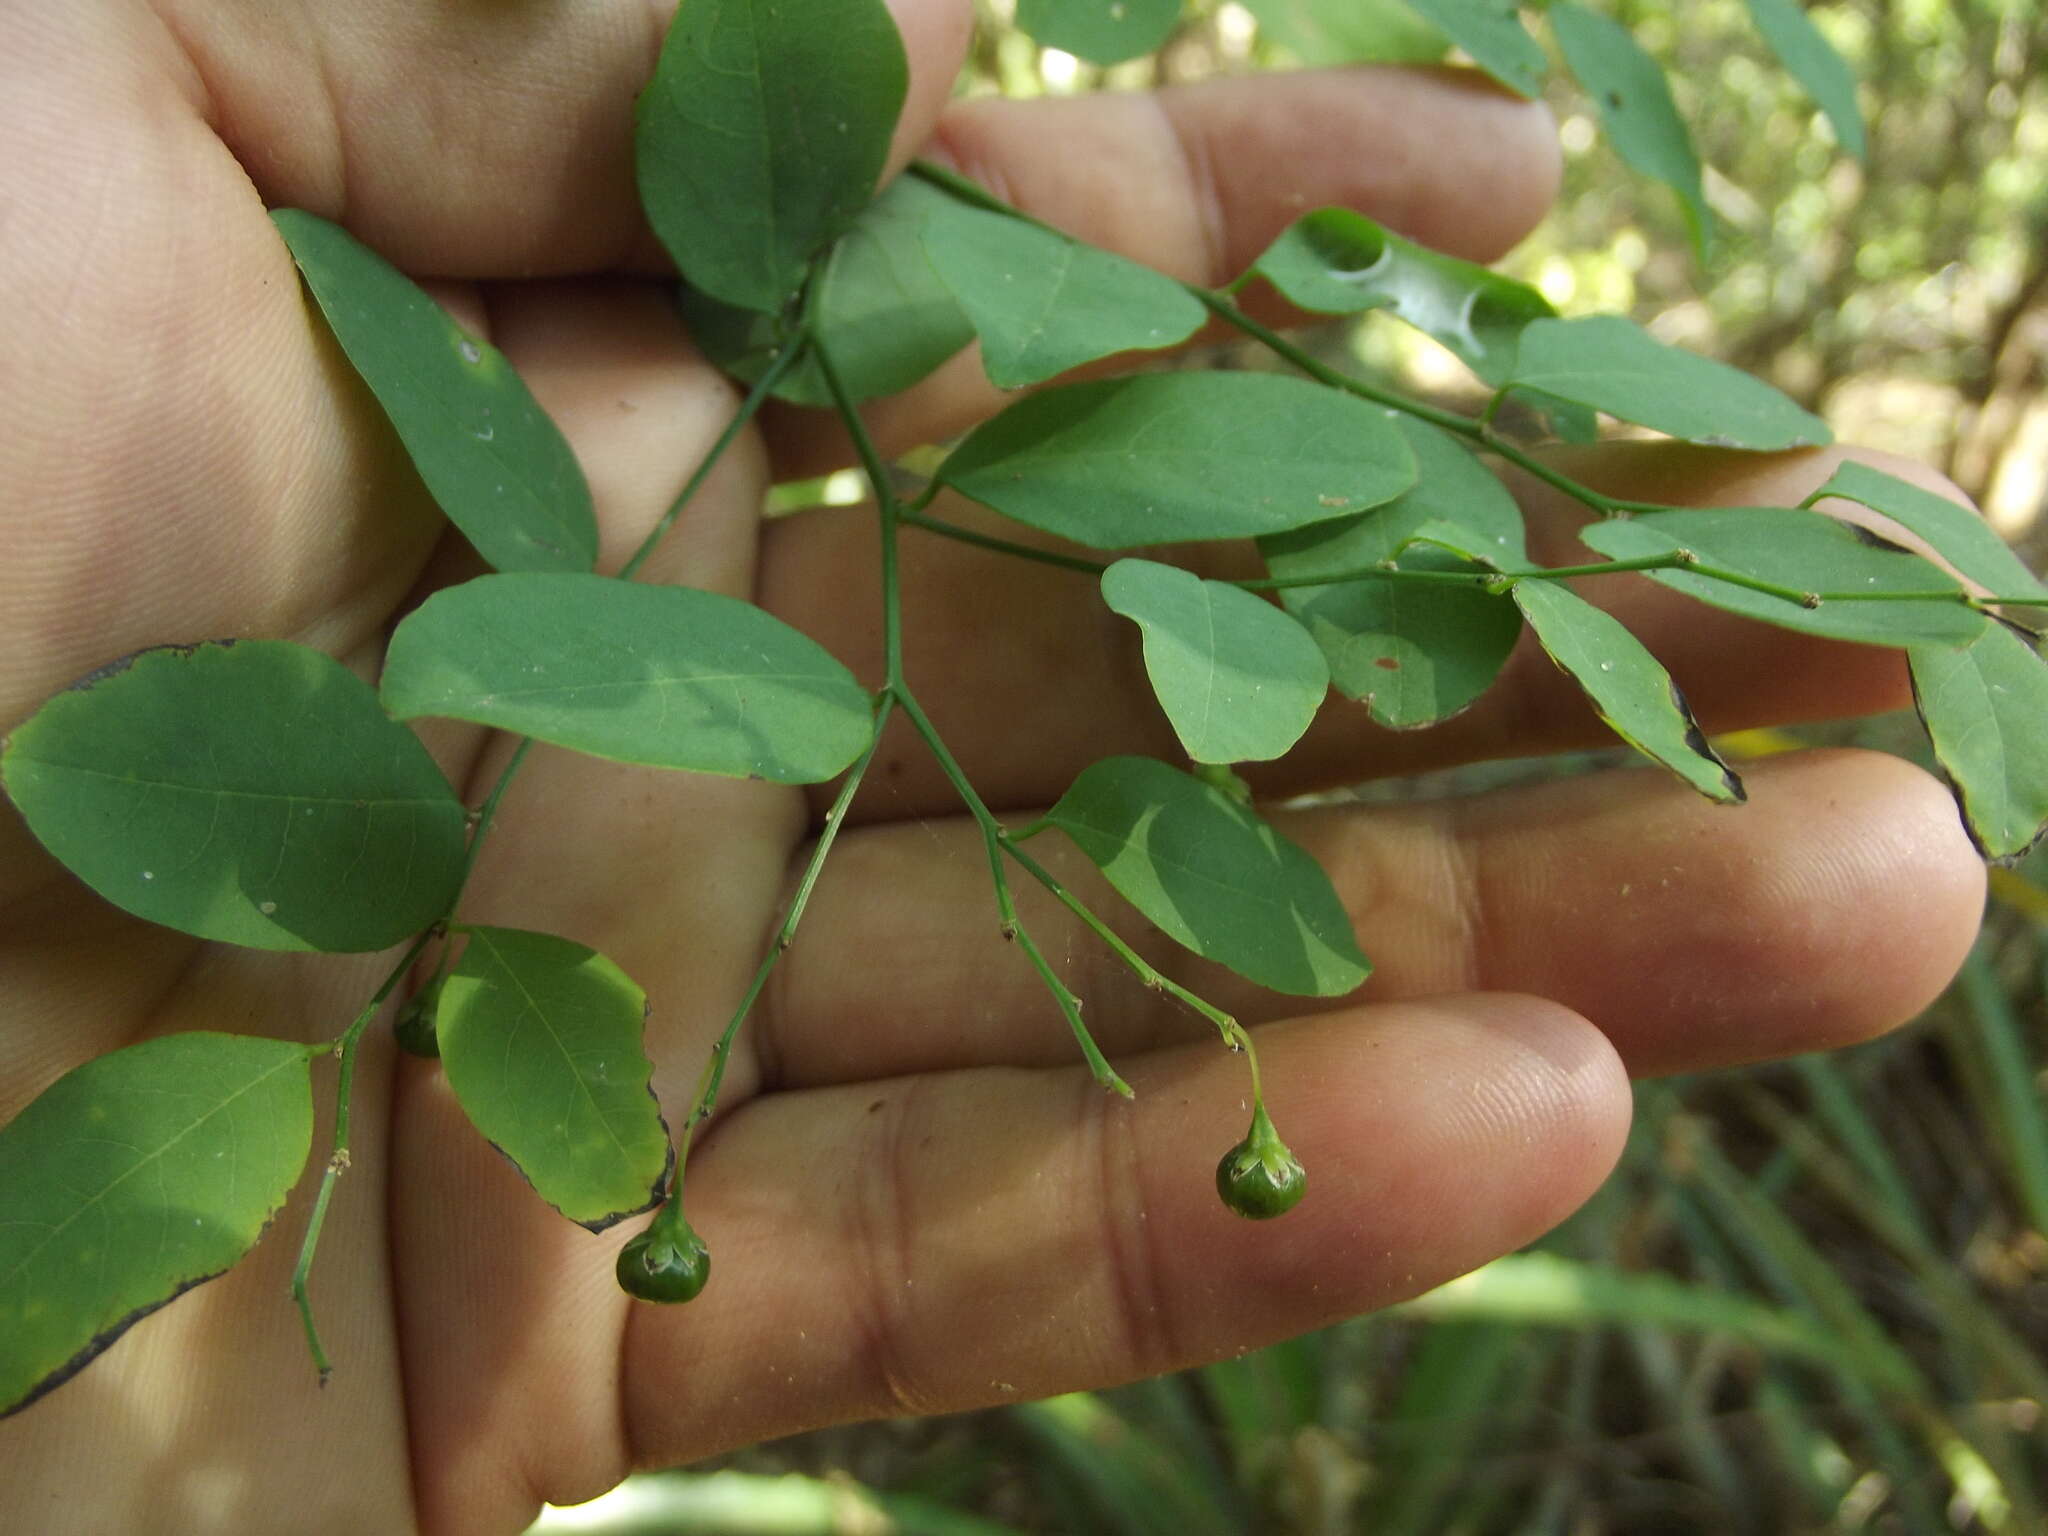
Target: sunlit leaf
[
  {"x": 1238, "y": 679},
  {"x": 541, "y": 1041},
  {"x": 130, "y": 1180},
  {"x": 670, "y": 677},
  {"x": 489, "y": 455},
  {"x": 1628, "y": 687},
  {"x": 1161, "y": 457},
  {"x": 1951, "y": 530},
  {"x": 1635, "y": 106},
  {"x": 1811, "y": 60},
  {"x": 1325, "y": 32},
  {"x": 1043, "y": 303},
  {"x": 1334, "y": 261},
  {"x": 1491, "y": 31},
  {"x": 1614, "y": 365},
  {"x": 885, "y": 315},
  {"x": 762, "y": 135},
  {"x": 1802, "y": 552},
  {"x": 1212, "y": 875},
  {"x": 1985, "y": 706},
  {"x": 1100, "y": 31},
  {"x": 248, "y": 791}
]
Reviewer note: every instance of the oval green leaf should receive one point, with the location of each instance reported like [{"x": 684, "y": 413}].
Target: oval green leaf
[
  {"x": 1042, "y": 303},
  {"x": 1213, "y": 876},
  {"x": 1100, "y": 31},
  {"x": 490, "y": 456},
  {"x": 1628, "y": 686},
  {"x": 1238, "y": 679},
  {"x": 541, "y": 1039},
  {"x": 669, "y": 677},
  {"x": 1811, "y": 60},
  {"x": 1985, "y": 706},
  {"x": 1324, "y": 32},
  {"x": 881, "y": 310},
  {"x": 1614, "y": 365},
  {"x": 130, "y": 1180},
  {"x": 1636, "y": 108},
  {"x": 1335, "y": 261},
  {"x": 1804, "y": 552},
  {"x": 247, "y": 791},
  {"x": 1164, "y": 457},
  {"x": 761, "y": 137},
  {"x": 1951, "y": 530},
  {"x": 1491, "y": 31}
]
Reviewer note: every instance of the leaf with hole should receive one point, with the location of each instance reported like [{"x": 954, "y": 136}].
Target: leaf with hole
[
  {"x": 1951, "y": 530},
  {"x": 1239, "y": 680},
  {"x": 1165, "y": 457},
  {"x": 1100, "y": 31},
  {"x": 130, "y": 1180},
  {"x": 1636, "y": 108},
  {"x": 885, "y": 315},
  {"x": 1811, "y": 60},
  {"x": 669, "y": 677},
  {"x": 1985, "y": 706},
  {"x": 1042, "y": 303},
  {"x": 490, "y": 457},
  {"x": 1628, "y": 687},
  {"x": 541, "y": 1039},
  {"x": 762, "y": 135},
  {"x": 1213, "y": 876},
  {"x": 1802, "y": 552},
  {"x": 1491, "y": 31},
  {"x": 247, "y": 791},
  {"x": 1334, "y": 261},
  {"x": 1614, "y": 365}
]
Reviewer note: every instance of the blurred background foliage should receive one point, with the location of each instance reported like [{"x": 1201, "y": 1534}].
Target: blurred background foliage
[{"x": 1815, "y": 1296}]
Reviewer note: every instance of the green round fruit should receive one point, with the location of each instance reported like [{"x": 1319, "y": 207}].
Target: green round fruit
[
  {"x": 664, "y": 1263},
  {"x": 1259, "y": 1178}
]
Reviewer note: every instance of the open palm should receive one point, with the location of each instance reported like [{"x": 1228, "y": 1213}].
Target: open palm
[{"x": 916, "y": 1198}]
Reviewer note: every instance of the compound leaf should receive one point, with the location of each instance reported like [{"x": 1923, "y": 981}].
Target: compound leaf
[
  {"x": 1812, "y": 61},
  {"x": 761, "y": 137},
  {"x": 489, "y": 455},
  {"x": 1985, "y": 706},
  {"x": 1100, "y": 31},
  {"x": 669, "y": 677},
  {"x": 1491, "y": 31},
  {"x": 1163, "y": 457},
  {"x": 1803, "y": 552},
  {"x": 1043, "y": 303},
  {"x": 130, "y": 1180},
  {"x": 247, "y": 791},
  {"x": 1238, "y": 679},
  {"x": 1627, "y": 685},
  {"x": 1614, "y": 365},
  {"x": 1951, "y": 530},
  {"x": 882, "y": 312},
  {"x": 1334, "y": 261},
  {"x": 541, "y": 1039},
  {"x": 1635, "y": 106},
  {"x": 1213, "y": 876}
]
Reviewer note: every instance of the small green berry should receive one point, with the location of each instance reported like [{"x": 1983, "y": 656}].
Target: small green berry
[
  {"x": 1260, "y": 1178},
  {"x": 667, "y": 1262},
  {"x": 414, "y": 1026}
]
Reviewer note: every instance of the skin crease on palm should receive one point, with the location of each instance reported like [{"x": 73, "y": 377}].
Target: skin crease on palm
[{"x": 915, "y": 1199}]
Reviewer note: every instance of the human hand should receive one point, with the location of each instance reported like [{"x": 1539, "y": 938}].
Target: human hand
[{"x": 916, "y": 1199}]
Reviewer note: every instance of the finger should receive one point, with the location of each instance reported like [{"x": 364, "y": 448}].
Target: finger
[
  {"x": 461, "y": 141},
  {"x": 1197, "y": 180},
  {"x": 1031, "y": 677},
  {"x": 1834, "y": 905},
  {"x": 940, "y": 1243}
]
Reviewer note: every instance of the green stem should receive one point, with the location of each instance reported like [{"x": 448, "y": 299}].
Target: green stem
[
  {"x": 909, "y": 519},
  {"x": 338, "y": 1156}
]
